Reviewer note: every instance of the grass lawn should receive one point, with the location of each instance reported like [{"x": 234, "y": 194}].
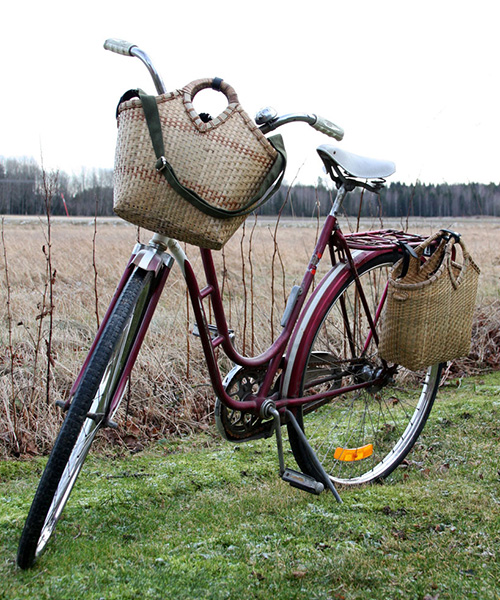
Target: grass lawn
[{"x": 199, "y": 518}]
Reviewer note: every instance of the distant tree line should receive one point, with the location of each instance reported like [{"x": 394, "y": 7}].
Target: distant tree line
[
  {"x": 22, "y": 191},
  {"x": 90, "y": 193},
  {"x": 395, "y": 200}
]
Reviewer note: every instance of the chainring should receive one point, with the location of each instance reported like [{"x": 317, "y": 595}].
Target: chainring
[{"x": 236, "y": 425}]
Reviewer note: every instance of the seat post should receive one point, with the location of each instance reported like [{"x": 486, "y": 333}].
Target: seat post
[{"x": 339, "y": 199}]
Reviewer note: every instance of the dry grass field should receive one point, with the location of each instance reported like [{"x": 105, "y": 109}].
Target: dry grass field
[{"x": 78, "y": 267}]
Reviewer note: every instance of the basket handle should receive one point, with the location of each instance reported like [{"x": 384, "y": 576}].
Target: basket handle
[
  {"x": 216, "y": 83},
  {"x": 456, "y": 281},
  {"x": 443, "y": 255},
  {"x": 418, "y": 269},
  {"x": 219, "y": 85}
]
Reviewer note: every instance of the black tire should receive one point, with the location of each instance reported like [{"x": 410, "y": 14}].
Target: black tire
[
  {"x": 361, "y": 436},
  {"x": 93, "y": 395}
]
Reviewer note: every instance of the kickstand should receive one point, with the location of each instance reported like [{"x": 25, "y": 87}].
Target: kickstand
[
  {"x": 277, "y": 430},
  {"x": 312, "y": 455},
  {"x": 294, "y": 478}
]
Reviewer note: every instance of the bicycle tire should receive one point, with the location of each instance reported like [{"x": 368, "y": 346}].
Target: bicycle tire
[
  {"x": 77, "y": 432},
  {"x": 363, "y": 435}
]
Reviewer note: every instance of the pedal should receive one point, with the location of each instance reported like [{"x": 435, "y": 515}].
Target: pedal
[
  {"x": 302, "y": 481},
  {"x": 99, "y": 418},
  {"x": 214, "y": 332},
  {"x": 312, "y": 456}
]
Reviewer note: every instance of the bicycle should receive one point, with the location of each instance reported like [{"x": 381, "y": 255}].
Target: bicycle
[{"x": 351, "y": 417}]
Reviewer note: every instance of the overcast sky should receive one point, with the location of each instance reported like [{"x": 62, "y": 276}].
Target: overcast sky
[{"x": 414, "y": 82}]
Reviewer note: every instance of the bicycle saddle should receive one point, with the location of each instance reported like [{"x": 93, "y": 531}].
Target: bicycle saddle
[{"x": 354, "y": 165}]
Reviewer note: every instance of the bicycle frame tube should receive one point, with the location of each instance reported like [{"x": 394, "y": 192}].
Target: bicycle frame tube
[
  {"x": 341, "y": 243},
  {"x": 375, "y": 320},
  {"x": 271, "y": 357}
]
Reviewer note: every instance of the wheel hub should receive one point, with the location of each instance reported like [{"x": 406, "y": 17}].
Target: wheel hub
[{"x": 376, "y": 374}]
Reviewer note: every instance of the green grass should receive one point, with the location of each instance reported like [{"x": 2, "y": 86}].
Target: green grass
[{"x": 205, "y": 519}]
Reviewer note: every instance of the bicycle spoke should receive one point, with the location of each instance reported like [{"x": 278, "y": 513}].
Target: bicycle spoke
[{"x": 363, "y": 434}]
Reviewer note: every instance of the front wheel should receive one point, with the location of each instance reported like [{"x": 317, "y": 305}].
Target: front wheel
[
  {"x": 363, "y": 435},
  {"x": 89, "y": 410}
]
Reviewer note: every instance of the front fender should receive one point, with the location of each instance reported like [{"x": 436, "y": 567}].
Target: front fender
[{"x": 150, "y": 258}]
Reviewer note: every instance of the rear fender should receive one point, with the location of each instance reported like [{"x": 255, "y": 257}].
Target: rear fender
[{"x": 311, "y": 318}]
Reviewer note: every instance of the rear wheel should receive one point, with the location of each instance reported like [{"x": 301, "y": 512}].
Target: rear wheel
[
  {"x": 363, "y": 435},
  {"x": 88, "y": 412}
]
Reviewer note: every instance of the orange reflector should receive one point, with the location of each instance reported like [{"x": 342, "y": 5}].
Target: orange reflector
[{"x": 352, "y": 454}]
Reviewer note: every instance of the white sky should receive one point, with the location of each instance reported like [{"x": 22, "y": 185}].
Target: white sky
[{"x": 414, "y": 82}]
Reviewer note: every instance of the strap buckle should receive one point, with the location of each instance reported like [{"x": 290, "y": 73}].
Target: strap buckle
[{"x": 161, "y": 164}]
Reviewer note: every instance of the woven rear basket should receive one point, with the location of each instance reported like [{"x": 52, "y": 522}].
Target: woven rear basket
[
  {"x": 226, "y": 162},
  {"x": 428, "y": 312}
]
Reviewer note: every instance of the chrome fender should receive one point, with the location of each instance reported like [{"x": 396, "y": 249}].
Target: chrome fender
[{"x": 150, "y": 258}]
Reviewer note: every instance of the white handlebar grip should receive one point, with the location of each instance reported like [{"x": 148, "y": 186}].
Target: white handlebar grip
[
  {"x": 119, "y": 46},
  {"x": 329, "y": 128}
]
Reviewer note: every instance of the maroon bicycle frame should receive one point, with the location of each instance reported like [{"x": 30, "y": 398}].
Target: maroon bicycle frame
[{"x": 367, "y": 245}]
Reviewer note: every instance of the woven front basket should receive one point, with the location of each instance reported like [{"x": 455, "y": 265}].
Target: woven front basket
[
  {"x": 218, "y": 170},
  {"x": 428, "y": 312}
]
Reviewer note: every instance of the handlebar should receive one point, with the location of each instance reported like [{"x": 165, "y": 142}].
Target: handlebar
[
  {"x": 320, "y": 123},
  {"x": 268, "y": 123},
  {"x": 119, "y": 46},
  {"x": 128, "y": 49}
]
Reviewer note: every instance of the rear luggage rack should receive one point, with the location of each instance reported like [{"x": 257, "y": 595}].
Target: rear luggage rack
[{"x": 385, "y": 238}]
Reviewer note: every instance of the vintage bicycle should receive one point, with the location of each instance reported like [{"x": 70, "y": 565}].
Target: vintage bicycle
[{"x": 351, "y": 416}]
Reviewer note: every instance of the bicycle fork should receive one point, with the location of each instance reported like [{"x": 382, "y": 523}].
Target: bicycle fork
[{"x": 147, "y": 258}]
